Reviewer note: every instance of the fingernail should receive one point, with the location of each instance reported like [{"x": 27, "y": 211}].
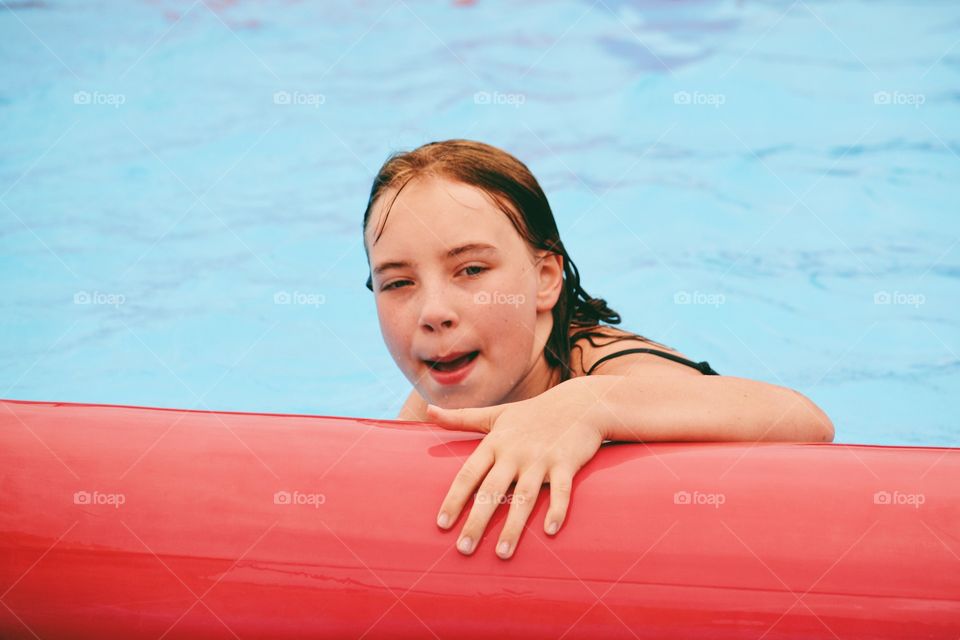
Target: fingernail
[
  {"x": 552, "y": 528},
  {"x": 504, "y": 549},
  {"x": 443, "y": 520},
  {"x": 465, "y": 545}
]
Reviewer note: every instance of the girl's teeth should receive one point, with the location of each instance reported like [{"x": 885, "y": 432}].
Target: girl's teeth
[{"x": 453, "y": 364}]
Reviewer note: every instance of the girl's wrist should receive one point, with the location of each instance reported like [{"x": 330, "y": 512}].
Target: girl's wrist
[{"x": 583, "y": 397}]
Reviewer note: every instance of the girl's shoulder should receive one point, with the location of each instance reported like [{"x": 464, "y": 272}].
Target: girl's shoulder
[{"x": 588, "y": 345}]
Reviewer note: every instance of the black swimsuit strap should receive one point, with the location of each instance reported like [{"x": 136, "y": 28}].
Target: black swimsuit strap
[{"x": 702, "y": 367}]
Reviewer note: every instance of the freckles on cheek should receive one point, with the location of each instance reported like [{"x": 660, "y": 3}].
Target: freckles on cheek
[
  {"x": 511, "y": 333},
  {"x": 504, "y": 324},
  {"x": 392, "y": 329}
]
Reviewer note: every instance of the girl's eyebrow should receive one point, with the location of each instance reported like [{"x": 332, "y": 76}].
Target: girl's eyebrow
[{"x": 473, "y": 247}]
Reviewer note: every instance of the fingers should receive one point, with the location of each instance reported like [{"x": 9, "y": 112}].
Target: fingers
[
  {"x": 491, "y": 493},
  {"x": 561, "y": 485},
  {"x": 521, "y": 505},
  {"x": 470, "y": 475},
  {"x": 474, "y": 419}
]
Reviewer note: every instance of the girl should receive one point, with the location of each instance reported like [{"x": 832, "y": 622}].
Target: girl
[{"x": 482, "y": 309}]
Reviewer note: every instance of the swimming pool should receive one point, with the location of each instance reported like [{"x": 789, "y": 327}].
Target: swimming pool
[{"x": 771, "y": 187}]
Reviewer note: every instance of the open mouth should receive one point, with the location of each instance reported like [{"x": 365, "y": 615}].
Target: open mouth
[{"x": 453, "y": 365}]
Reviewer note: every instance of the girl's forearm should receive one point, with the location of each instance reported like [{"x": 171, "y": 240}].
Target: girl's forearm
[{"x": 711, "y": 408}]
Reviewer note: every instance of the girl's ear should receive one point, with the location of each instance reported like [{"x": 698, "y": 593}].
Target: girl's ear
[{"x": 550, "y": 280}]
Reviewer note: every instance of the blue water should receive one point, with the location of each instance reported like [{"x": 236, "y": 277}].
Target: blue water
[{"x": 169, "y": 169}]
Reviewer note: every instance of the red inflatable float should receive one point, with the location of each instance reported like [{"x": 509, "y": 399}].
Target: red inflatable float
[{"x": 123, "y": 522}]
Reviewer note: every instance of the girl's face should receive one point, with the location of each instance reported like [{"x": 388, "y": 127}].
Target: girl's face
[{"x": 451, "y": 278}]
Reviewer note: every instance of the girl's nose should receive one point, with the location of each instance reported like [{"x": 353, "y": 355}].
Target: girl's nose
[{"x": 437, "y": 313}]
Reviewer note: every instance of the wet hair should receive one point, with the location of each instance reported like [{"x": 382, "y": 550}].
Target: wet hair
[{"x": 511, "y": 185}]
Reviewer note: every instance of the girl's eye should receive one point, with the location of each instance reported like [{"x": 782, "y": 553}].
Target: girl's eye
[
  {"x": 392, "y": 285},
  {"x": 397, "y": 284},
  {"x": 475, "y": 266}
]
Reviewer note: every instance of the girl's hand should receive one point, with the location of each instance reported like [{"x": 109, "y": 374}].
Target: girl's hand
[{"x": 545, "y": 438}]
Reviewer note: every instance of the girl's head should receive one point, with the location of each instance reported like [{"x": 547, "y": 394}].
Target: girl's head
[{"x": 511, "y": 297}]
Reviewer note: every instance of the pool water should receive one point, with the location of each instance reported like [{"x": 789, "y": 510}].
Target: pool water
[{"x": 769, "y": 186}]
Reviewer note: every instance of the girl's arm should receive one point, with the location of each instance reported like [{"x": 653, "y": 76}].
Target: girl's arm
[
  {"x": 692, "y": 408},
  {"x": 414, "y": 409},
  {"x": 549, "y": 437}
]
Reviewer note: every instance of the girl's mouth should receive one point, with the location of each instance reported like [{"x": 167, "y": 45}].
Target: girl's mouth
[{"x": 456, "y": 364}]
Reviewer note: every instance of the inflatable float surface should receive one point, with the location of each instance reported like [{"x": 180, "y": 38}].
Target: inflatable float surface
[{"x": 127, "y": 522}]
